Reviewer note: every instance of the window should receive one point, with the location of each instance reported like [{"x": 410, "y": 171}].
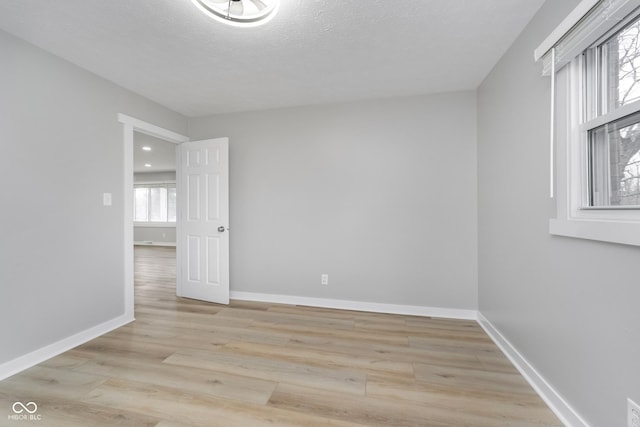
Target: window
[
  {"x": 155, "y": 203},
  {"x": 594, "y": 60},
  {"x": 612, "y": 77}
]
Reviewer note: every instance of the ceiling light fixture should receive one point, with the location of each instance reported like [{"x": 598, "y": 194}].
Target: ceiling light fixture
[
  {"x": 240, "y": 13},
  {"x": 146, "y": 148},
  {"x": 147, "y": 165}
]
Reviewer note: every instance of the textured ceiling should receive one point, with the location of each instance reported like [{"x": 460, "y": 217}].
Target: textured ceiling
[{"x": 312, "y": 52}]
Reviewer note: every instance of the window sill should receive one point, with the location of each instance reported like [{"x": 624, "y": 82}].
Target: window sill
[
  {"x": 155, "y": 224},
  {"x": 626, "y": 233}
]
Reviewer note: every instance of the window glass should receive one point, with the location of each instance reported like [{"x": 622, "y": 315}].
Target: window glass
[
  {"x": 612, "y": 81},
  {"x": 171, "y": 200},
  {"x": 621, "y": 63},
  {"x": 141, "y": 204},
  {"x": 158, "y": 204},
  {"x": 614, "y": 163}
]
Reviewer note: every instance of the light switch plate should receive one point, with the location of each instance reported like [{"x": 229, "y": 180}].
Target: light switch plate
[{"x": 106, "y": 199}]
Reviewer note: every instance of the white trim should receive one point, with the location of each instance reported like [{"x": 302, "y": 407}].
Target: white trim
[
  {"x": 551, "y": 397},
  {"x": 618, "y": 113},
  {"x": 626, "y": 233},
  {"x": 154, "y": 224},
  {"x": 21, "y": 363},
  {"x": 152, "y": 130},
  {"x": 150, "y": 243},
  {"x": 410, "y": 310},
  {"x": 131, "y": 125},
  {"x": 552, "y": 140},
  {"x": 143, "y": 183},
  {"x": 128, "y": 219}
]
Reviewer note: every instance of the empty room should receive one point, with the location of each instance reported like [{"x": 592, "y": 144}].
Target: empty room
[{"x": 305, "y": 213}]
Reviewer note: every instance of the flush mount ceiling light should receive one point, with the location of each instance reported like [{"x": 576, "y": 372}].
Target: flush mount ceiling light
[{"x": 242, "y": 13}]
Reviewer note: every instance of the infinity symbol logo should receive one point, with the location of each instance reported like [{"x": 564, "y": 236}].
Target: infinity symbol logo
[{"x": 20, "y": 407}]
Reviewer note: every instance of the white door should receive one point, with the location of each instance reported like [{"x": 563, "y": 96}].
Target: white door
[{"x": 202, "y": 235}]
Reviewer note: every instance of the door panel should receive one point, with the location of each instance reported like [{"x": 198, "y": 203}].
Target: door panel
[
  {"x": 192, "y": 196},
  {"x": 213, "y": 207},
  {"x": 213, "y": 263},
  {"x": 193, "y": 258}
]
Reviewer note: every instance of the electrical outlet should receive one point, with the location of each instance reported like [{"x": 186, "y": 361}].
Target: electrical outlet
[
  {"x": 324, "y": 279},
  {"x": 633, "y": 414}
]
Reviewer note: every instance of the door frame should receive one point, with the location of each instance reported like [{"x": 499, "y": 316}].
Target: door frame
[{"x": 131, "y": 125}]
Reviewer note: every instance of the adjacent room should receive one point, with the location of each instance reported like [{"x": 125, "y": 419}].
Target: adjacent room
[
  {"x": 275, "y": 212},
  {"x": 154, "y": 190}
]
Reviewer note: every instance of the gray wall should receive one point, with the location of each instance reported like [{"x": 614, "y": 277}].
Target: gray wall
[
  {"x": 163, "y": 236},
  {"x": 569, "y": 306},
  {"x": 380, "y": 195},
  {"x": 153, "y": 177},
  {"x": 61, "y": 251}
]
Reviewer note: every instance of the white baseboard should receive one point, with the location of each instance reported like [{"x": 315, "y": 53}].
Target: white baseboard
[
  {"x": 552, "y": 398},
  {"x": 21, "y": 363},
  {"x": 411, "y": 310},
  {"x": 150, "y": 243}
]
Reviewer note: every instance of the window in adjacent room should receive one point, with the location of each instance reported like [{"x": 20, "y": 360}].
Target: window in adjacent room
[{"x": 155, "y": 203}]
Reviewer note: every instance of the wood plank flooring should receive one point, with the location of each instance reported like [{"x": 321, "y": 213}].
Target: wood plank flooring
[{"x": 185, "y": 362}]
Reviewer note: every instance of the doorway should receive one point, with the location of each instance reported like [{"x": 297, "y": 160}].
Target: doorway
[
  {"x": 154, "y": 215},
  {"x": 154, "y": 180},
  {"x": 131, "y": 128}
]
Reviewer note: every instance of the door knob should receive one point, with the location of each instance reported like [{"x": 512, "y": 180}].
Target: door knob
[{"x": 221, "y": 229}]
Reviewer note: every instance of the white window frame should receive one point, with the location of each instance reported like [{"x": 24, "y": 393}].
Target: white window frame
[
  {"x": 574, "y": 216},
  {"x": 165, "y": 224}
]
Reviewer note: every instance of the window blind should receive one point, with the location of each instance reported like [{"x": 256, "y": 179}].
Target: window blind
[{"x": 587, "y": 23}]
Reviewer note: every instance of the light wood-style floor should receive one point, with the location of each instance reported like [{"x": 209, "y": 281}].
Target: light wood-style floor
[{"x": 185, "y": 362}]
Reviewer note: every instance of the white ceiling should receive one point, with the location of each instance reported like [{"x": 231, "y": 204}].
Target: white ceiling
[
  {"x": 312, "y": 52},
  {"x": 162, "y": 156}
]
